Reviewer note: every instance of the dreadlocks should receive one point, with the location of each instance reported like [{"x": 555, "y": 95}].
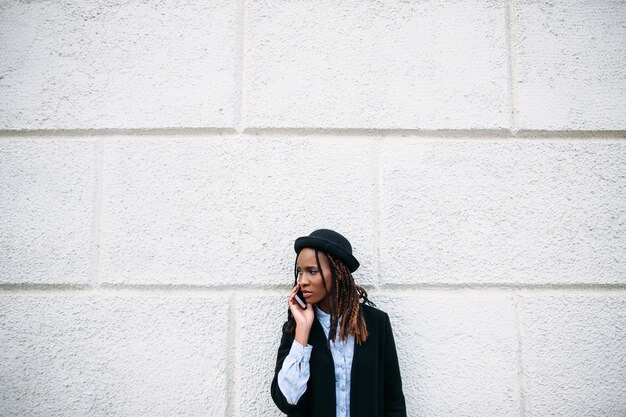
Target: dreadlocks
[{"x": 345, "y": 298}]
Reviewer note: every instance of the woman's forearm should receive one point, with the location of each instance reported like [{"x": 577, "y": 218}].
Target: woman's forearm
[{"x": 302, "y": 335}]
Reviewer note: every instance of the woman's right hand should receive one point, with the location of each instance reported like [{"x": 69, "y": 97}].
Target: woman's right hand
[{"x": 304, "y": 318}]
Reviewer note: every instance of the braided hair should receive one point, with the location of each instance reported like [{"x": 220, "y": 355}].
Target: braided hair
[{"x": 345, "y": 299}]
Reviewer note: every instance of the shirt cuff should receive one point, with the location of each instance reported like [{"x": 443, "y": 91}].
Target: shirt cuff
[{"x": 300, "y": 353}]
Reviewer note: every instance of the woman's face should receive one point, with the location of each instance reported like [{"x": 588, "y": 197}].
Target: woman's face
[{"x": 310, "y": 278}]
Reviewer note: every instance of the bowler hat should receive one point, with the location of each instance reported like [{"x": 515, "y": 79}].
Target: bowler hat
[{"x": 330, "y": 242}]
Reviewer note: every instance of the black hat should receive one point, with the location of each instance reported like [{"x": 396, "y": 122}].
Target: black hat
[{"x": 330, "y": 242}]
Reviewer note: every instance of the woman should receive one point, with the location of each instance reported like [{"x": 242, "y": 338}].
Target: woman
[{"x": 337, "y": 356}]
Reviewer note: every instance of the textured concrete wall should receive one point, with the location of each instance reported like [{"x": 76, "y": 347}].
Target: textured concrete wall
[{"x": 157, "y": 159}]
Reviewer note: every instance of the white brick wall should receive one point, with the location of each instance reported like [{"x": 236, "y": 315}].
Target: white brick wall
[
  {"x": 99, "y": 354},
  {"x": 569, "y": 63},
  {"x": 388, "y": 64},
  {"x": 94, "y": 64},
  {"x": 157, "y": 160}
]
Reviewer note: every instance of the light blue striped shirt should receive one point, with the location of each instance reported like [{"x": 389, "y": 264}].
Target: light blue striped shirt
[{"x": 294, "y": 375}]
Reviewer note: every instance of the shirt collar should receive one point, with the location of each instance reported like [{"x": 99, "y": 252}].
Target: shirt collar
[{"x": 323, "y": 317}]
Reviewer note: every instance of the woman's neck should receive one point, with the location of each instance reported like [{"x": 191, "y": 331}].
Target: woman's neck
[{"x": 324, "y": 305}]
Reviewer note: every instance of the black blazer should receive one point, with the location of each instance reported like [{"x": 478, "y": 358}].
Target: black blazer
[{"x": 376, "y": 385}]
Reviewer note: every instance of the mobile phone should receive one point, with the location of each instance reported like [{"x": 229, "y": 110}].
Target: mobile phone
[{"x": 300, "y": 298}]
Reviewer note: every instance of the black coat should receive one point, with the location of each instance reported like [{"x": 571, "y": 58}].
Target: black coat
[{"x": 376, "y": 386}]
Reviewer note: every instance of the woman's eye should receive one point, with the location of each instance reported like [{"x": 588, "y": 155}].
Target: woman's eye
[{"x": 313, "y": 271}]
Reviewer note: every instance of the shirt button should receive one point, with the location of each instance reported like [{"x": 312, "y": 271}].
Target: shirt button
[{"x": 343, "y": 409}]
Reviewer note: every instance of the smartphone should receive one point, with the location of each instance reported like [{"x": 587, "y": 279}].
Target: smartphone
[{"x": 300, "y": 298}]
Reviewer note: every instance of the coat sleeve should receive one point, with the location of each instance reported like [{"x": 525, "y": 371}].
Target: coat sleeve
[
  {"x": 278, "y": 397},
  {"x": 394, "y": 398}
]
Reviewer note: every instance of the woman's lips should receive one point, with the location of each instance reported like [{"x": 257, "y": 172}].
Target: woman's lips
[{"x": 306, "y": 294}]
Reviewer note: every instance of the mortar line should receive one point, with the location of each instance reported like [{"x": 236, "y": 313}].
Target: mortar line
[
  {"x": 136, "y": 290},
  {"x": 511, "y": 64},
  {"x": 201, "y": 133},
  {"x": 82, "y": 133},
  {"x": 242, "y": 66},
  {"x": 232, "y": 367},
  {"x": 377, "y": 191},
  {"x": 199, "y": 290},
  {"x": 505, "y": 287},
  {"x": 97, "y": 215},
  {"x": 520, "y": 355},
  {"x": 438, "y": 133}
]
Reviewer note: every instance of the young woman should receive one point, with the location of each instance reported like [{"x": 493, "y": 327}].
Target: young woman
[{"x": 337, "y": 356}]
